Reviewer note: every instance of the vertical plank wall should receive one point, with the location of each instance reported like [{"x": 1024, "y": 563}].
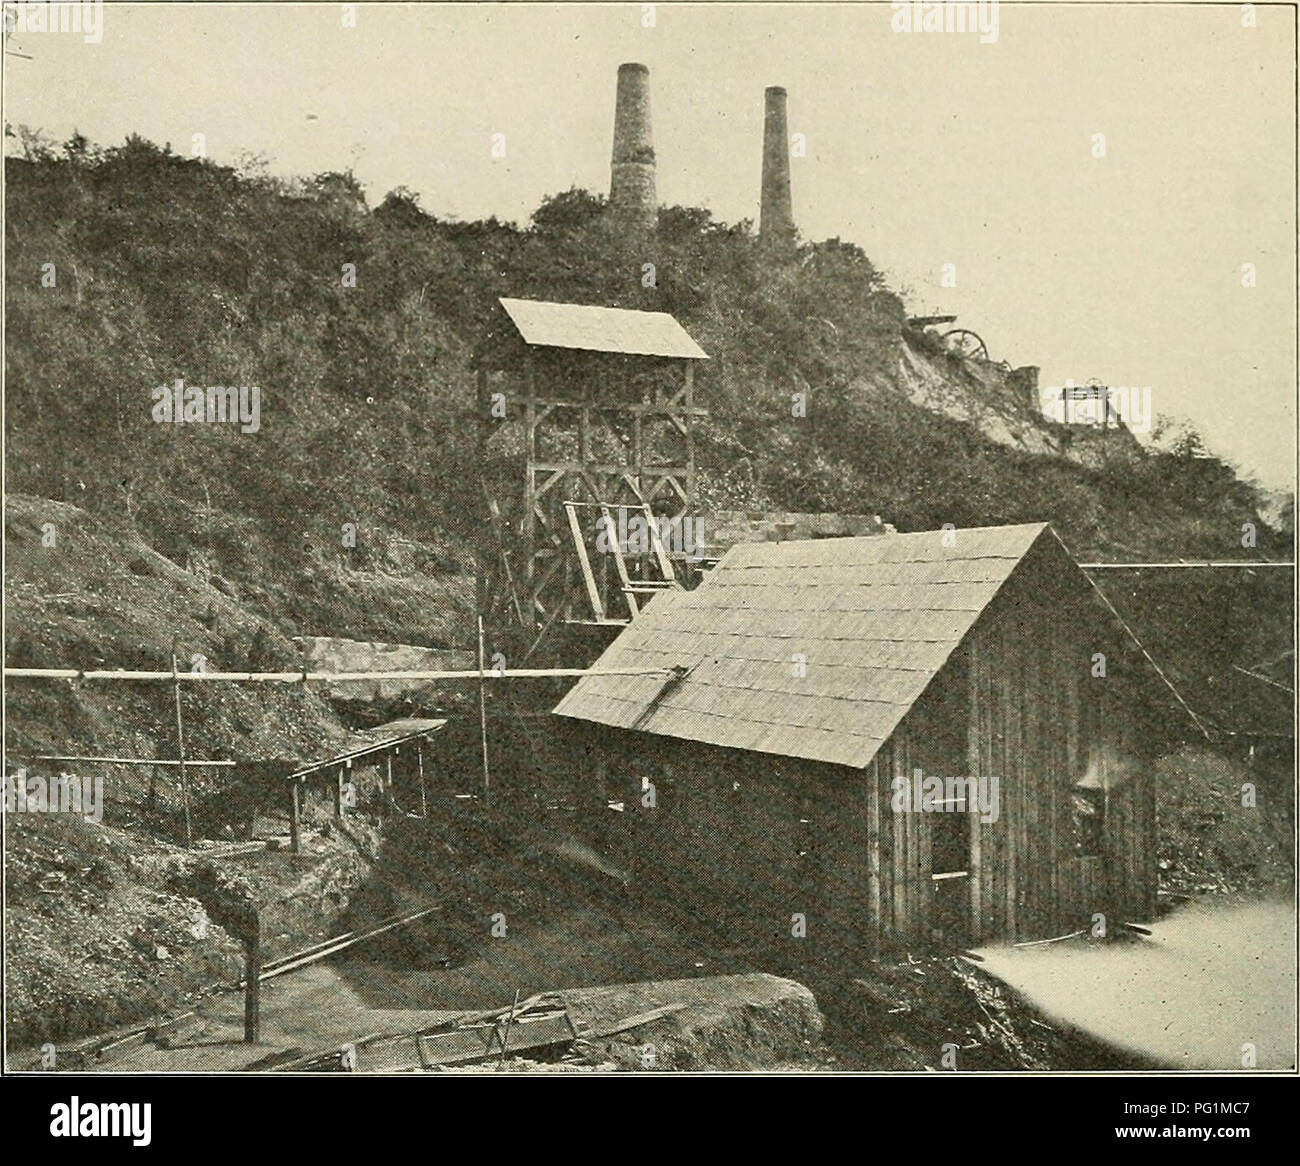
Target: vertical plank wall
[
  {"x": 1016, "y": 700},
  {"x": 1038, "y": 718}
]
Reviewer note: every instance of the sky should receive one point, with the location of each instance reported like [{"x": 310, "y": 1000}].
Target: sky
[{"x": 925, "y": 149}]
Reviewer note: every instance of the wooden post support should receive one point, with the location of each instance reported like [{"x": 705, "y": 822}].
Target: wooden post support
[
  {"x": 294, "y": 824},
  {"x": 482, "y": 717},
  {"x": 419, "y": 761},
  {"x": 180, "y": 746},
  {"x": 252, "y": 981},
  {"x": 688, "y": 423},
  {"x": 338, "y": 794},
  {"x": 575, "y": 528},
  {"x": 973, "y": 767},
  {"x": 530, "y": 484}
]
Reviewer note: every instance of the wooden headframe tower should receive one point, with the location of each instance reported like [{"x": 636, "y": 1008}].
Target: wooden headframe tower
[{"x": 587, "y": 419}]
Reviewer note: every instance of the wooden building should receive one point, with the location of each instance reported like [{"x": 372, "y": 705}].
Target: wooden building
[{"x": 783, "y": 762}]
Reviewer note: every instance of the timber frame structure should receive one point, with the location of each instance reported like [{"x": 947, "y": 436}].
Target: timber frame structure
[{"x": 586, "y": 416}]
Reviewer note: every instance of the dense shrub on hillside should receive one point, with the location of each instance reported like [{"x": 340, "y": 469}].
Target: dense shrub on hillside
[{"x": 169, "y": 268}]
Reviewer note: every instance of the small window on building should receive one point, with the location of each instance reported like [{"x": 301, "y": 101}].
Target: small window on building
[
  {"x": 1087, "y": 818},
  {"x": 950, "y": 838}
]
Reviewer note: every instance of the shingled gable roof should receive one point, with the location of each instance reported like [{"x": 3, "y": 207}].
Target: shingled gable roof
[{"x": 876, "y": 619}]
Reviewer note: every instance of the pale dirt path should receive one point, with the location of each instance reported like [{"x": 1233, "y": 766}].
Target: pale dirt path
[{"x": 1209, "y": 979}]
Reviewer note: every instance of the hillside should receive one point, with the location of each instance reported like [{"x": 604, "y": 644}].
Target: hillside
[
  {"x": 167, "y": 268},
  {"x": 100, "y": 596},
  {"x": 126, "y": 538}
]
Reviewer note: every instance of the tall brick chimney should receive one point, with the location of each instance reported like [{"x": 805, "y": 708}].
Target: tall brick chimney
[
  {"x": 632, "y": 172},
  {"x": 776, "y": 217}
]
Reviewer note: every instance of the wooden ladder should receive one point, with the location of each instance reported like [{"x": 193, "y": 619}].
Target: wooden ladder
[{"x": 629, "y": 587}]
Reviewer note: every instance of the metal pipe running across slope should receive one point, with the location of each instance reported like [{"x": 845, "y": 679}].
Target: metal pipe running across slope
[
  {"x": 306, "y": 677},
  {"x": 1208, "y": 564}
]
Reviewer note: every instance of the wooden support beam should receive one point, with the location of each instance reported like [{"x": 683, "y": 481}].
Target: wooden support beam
[
  {"x": 661, "y": 554},
  {"x": 588, "y": 578},
  {"x": 1013, "y": 794},
  {"x": 482, "y": 718},
  {"x": 638, "y": 449},
  {"x": 898, "y": 858},
  {"x": 546, "y": 485},
  {"x": 484, "y": 405},
  {"x": 252, "y": 985},
  {"x": 874, "y": 793},
  {"x": 604, "y": 468},
  {"x": 530, "y": 485},
  {"x": 973, "y": 768},
  {"x": 295, "y": 825},
  {"x": 690, "y": 433},
  {"x": 180, "y": 747},
  {"x": 625, "y": 580}
]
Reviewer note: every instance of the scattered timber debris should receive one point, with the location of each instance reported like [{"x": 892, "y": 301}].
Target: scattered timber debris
[{"x": 540, "y": 1022}]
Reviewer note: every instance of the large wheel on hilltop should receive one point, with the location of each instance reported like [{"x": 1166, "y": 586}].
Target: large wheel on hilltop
[{"x": 965, "y": 343}]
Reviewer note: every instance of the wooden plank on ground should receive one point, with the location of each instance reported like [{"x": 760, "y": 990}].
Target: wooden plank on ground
[{"x": 632, "y": 1022}]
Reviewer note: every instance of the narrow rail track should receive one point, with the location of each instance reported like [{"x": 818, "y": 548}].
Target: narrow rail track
[{"x": 104, "y": 1047}]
